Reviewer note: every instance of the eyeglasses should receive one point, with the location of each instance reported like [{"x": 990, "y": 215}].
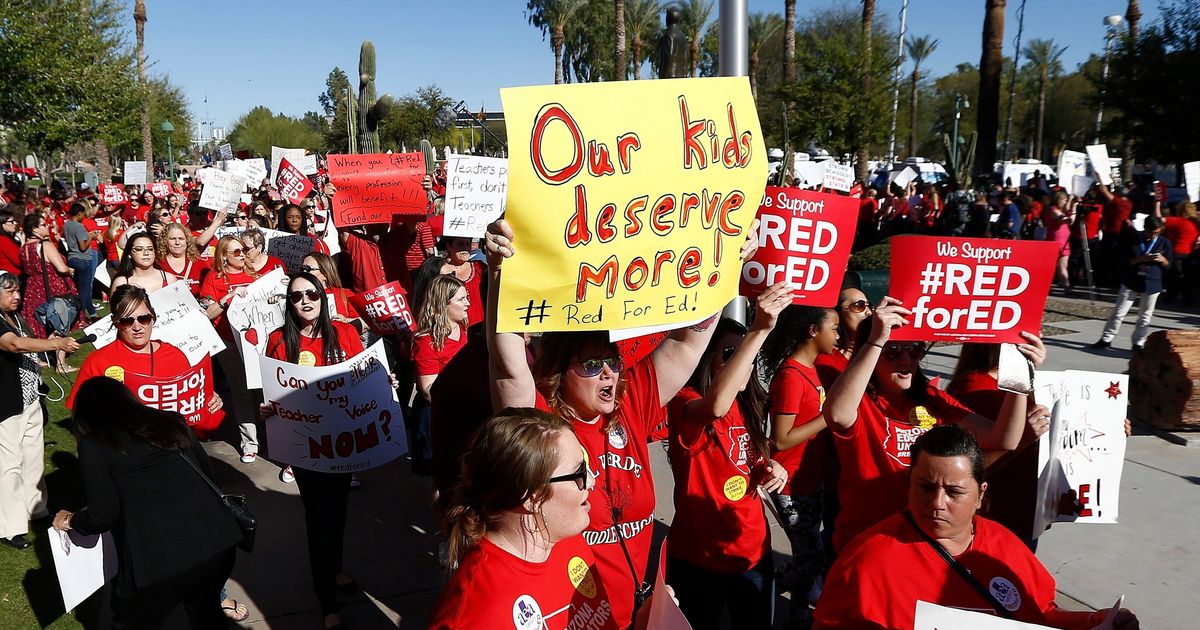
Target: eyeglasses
[
  {"x": 915, "y": 351},
  {"x": 593, "y": 367},
  {"x": 309, "y": 269},
  {"x": 235, "y": 252},
  {"x": 7, "y": 221},
  {"x": 164, "y": 215},
  {"x": 128, "y": 320},
  {"x": 580, "y": 476},
  {"x": 142, "y": 250},
  {"x": 727, "y": 353},
  {"x": 295, "y": 296},
  {"x": 858, "y": 306}
]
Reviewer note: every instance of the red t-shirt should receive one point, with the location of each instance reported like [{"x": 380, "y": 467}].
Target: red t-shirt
[
  {"x": 1116, "y": 213},
  {"x": 341, "y": 302},
  {"x": 492, "y": 586},
  {"x": 415, "y": 255},
  {"x": 877, "y": 581},
  {"x": 312, "y": 349},
  {"x": 622, "y": 461},
  {"x": 722, "y": 527},
  {"x": 216, "y": 287},
  {"x": 475, "y": 291},
  {"x": 874, "y": 457},
  {"x": 273, "y": 263},
  {"x": 116, "y": 358},
  {"x": 90, "y": 225},
  {"x": 10, "y": 256},
  {"x": 867, "y": 209},
  {"x": 796, "y": 390},
  {"x": 830, "y": 366},
  {"x": 365, "y": 264},
  {"x": 192, "y": 272},
  {"x": 429, "y": 361},
  {"x": 1182, "y": 233}
]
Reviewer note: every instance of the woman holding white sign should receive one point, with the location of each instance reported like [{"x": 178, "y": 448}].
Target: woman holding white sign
[
  {"x": 138, "y": 266},
  {"x": 309, "y": 336}
]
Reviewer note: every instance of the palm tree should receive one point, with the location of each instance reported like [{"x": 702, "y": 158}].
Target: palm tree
[
  {"x": 919, "y": 49},
  {"x": 762, "y": 27},
  {"x": 557, "y": 14},
  {"x": 789, "y": 40},
  {"x": 641, "y": 22},
  {"x": 139, "y": 20},
  {"x": 861, "y": 154},
  {"x": 1045, "y": 56},
  {"x": 620, "y": 68},
  {"x": 694, "y": 14},
  {"x": 987, "y": 114},
  {"x": 1133, "y": 16}
]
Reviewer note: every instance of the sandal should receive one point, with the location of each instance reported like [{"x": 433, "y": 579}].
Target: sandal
[{"x": 236, "y": 612}]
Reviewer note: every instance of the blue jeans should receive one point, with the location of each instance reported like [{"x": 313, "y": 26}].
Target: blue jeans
[{"x": 85, "y": 276}]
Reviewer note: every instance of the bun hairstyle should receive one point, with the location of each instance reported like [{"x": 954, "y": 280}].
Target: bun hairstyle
[{"x": 510, "y": 459}]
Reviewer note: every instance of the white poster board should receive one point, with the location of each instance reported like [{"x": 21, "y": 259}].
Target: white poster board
[
  {"x": 337, "y": 418},
  {"x": 135, "y": 173},
  {"x": 933, "y": 617},
  {"x": 1070, "y": 164},
  {"x": 83, "y": 564},
  {"x": 476, "y": 191},
  {"x": 306, "y": 163},
  {"x": 253, "y": 317},
  {"x": 838, "y": 176},
  {"x": 904, "y": 177},
  {"x": 1079, "y": 185},
  {"x": 1084, "y": 450},
  {"x": 222, "y": 191},
  {"x": 1191, "y": 177},
  {"x": 181, "y": 322},
  {"x": 811, "y": 174},
  {"x": 1101, "y": 165},
  {"x": 255, "y": 171}
]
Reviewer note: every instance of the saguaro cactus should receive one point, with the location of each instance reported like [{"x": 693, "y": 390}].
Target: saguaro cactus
[{"x": 370, "y": 109}]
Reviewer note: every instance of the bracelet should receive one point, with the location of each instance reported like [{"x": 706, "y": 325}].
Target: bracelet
[{"x": 877, "y": 345}]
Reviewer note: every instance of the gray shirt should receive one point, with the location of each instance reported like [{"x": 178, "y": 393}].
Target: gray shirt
[{"x": 73, "y": 233}]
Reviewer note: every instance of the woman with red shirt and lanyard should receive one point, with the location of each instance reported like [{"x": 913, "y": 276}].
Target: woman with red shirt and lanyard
[
  {"x": 441, "y": 333},
  {"x": 177, "y": 255},
  {"x": 882, "y": 402},
  {"x": 613, "y": 407},
  {"x": 720, "y": 553},
  {"x": 310, "y": 337}
]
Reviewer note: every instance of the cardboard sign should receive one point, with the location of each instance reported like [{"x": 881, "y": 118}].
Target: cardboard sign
[
  {"x": 631, "y": 220},
  {"x": 181, "y": 322},
  {"x": 904, "y": 177},
  {"x": 1084, "y": 450},
  {"x": 1071, "y": 164},
  {"x": 162, "y": 190},
  {"x": 933, "y": 617},
  {"x": 1101, "y": 165},
  {"x": 476, "y": 191},
  {"x": 970, "y": 289},
  {"x": 253, "y": 317},
  {"x": 811, "y": 174},
  {"x": 135, "y": 173},
  {"x": 1191, "y": 177},
  {"x": 371, "y": 188},
  {"x": 291, "y": 183},
  {"x": 290, "y": 248},
  {"x": 222, "y": 191},
  {"x": 113, "y": 194},
  {"x": 298, "y": 157},
  {"x": 804, "y": 238},
  {"x": 385, "y": 309},
  {"x": 83, "y": 563},
  {"x": 337, "y": 418},
  {"x": 1080, "y": 185},
  {"x": 225, "y": 151},
  {"x": 838, "y": 176},
  {"x": 188, "y": 394},
  {"x": 253, "y": 170}
]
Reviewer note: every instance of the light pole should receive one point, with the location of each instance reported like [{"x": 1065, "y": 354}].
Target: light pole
[
  {"x": 169, "y": 129},
  {"x": 734, "y": 62},
  {"x": 896, "y": 83},
  {"x": 959, "y": 101},
  {"x": 1110, "y": 26}
]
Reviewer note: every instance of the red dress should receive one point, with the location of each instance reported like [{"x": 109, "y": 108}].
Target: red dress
[{"x": 35, "y": 288}]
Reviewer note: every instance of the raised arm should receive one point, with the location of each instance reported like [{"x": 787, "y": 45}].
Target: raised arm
[
  {"x": 1004, "y": 434},
  {"x": 511, "y": 379},
  {"x": 841, "y": 406},
  {"x": 207, "y": 234}
]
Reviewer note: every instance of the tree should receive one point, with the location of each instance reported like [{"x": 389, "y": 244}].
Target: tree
[
  {"x": 987, "y": 110},
  {"x": 761, "y": 28},
  {"x": 619, "y": 64},
  {"x": 694, "y": 15},
  {"x": 260, "y": 129},
  {"x": 919, "y": 49},
  {"x": 789, "y": 40},
  {"x": 1133, "y": 17},
  {"x": 139, "y": 19},
  {"x": 334, "y": 96},
  {"x": 165, "y": 102},
  {"x": 411, "y": 120},
  {"x": 553, "y": 18},
  {"x": 642, "y": 25},
  {"x": 862, "y": 153},
  {"x": 1045, "y": 57}
]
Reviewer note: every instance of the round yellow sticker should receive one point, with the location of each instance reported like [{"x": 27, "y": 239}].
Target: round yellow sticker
[
  {"x": 735, "y": 488},
  {"x": 115, "y": 372},
  {"x": 307, "y": 359},
  {"x": 581, "y": 577},
  {"x": 921, "y": 417}
]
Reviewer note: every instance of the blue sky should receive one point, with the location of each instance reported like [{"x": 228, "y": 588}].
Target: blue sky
[{"x": 278, "y": 54}]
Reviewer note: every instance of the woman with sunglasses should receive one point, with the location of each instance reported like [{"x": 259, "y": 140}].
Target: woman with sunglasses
[
  {"x": 720, "y": 553},
  {"x": 10, "y": 247},
  {"x": 139, "y": 267},
  {"x": 325, "y": 270},
  {"x": 310, "y": 337},
  {"x": 852, "y": 308},
  {"x": 178, "y": 256},
  {"x": 882, "y": 403},
  {"x": 258, "y": 261},
  {"x": 441, "y": 333}
]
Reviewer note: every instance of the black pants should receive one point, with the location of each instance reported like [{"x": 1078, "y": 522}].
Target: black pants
[
  {"x": 198, "y": 589},
  {"x": 324, "y": 496},
  {"x": 703, "y": 595}
]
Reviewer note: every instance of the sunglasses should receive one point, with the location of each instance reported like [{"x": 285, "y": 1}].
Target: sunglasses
[
  {"x": 916, "y": 351},
  {"x": 727, "y": 353},
  {"x": 295, "y": 296},
  {"x": 235, "y": 252},
  {"x": 580, "y": 477},
  {"x": 593, "y": 367},
  {"x": 309, "y": 269},
  {"x": 128, "y": 320},
  {"x": 858, "y": 306}
]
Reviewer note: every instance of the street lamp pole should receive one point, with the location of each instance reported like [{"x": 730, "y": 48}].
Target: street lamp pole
[
  {"x": 896, "y": 83},
  {"x": 169, "y": 129},
  {"x": 1110, "y": 24},
  {"x": 733, "y": 61}
]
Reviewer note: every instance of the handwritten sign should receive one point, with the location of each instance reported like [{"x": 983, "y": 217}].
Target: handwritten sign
[
  {"x": 112, "y": 194},
  {"x": 1191, "y": 176},
  {"x": 1084, "y": 450},
  {"x": 337, "y": 418},
  {"x": 1101, "y": 165},
  {"x": 476, "y": 191},
  {"x": 291, "y": 183},
  {"x": 222, "y": 191},
  {"x": 301, "y": 160},
  {"x": 181, "y": 322},
  {"x": 162, "y": 190},
  {"x": 188, "y": 394},
  {"x": 933, "y": 617},
  {"x": 371, "y": 188},
  {"x": 804, "y": 238},
  {"x": 970, "y": 289},
  {"x": 253, "y": 317},
  {"x": 385, "y": 309},
  {"x": 225, "y": 151},
  {"x": 632, "y": 220},
  {"x": 290, "y": 248},
  {"x": 838, "y": 176},
  {"x": 135, "y": 173},
  {"x": 1070, "y": 164}
]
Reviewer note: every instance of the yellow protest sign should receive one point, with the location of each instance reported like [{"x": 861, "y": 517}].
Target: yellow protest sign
[{"x": 629, "y": 201}]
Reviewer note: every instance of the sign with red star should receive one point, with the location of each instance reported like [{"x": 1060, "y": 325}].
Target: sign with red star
[{"x": 1114, "y": 390}]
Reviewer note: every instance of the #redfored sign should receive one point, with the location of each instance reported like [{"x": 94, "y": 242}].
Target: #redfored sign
[
  {"x": 112, "y": 194},
  {"x": 293, "y": 185},
  {"x": 187, "y": 393},
  {"x": 373, "y": 187},
  {"x": 971, "y": 289},
  {"x": 160, "y": 189},
  {"x": 804, "y": 238},
  {"x": 385, "y": 309}
]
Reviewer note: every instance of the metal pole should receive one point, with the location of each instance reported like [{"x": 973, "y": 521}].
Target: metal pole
[
  {"x": 1012, "y": 84},
  {"x": 733, "y": 60},
  {"x": 896, "y": 83},
  {"x": 1103, "y": 83},
  {"x": 170, "y": 158},
  {"x": 954, "y": 139}
]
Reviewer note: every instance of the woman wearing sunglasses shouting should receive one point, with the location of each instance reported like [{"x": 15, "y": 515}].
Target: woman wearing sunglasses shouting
[{"x": 882, "y": 403}]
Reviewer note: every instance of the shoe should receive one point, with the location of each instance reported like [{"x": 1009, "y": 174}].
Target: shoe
[
  {"x": 354, "y": 482},
  {"x": 1101, "y": 345},
  {"x": 249, "y": 458},
  {"x": 236, "y": 612},
  {"x": 286, "y": 475},
  {"x": 16, "y": 542}
]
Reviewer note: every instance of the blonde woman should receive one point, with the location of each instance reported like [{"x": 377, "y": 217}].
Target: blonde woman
[
  {"x": 178, "y": 255},
  {"x": 441, "y": 333}
]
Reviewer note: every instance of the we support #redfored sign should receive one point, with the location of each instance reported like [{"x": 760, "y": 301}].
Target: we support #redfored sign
[
  {"x": 971, "y": 289},
  {"x": 385, "y": 309},
  {"x": 291, "y": 183},
  {"x": 187, "y": 393},
  {"x": 112, "y": 194},
  {"x": 804, "y": 238}
]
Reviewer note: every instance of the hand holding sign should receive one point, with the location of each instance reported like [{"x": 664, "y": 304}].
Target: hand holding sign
[{"x": 292, "y": 184}]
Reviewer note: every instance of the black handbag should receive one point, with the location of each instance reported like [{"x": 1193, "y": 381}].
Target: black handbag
[{"x": 235, "y": 505}]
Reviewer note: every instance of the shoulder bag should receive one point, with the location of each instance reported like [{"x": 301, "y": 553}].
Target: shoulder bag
[{"x": 235, "y": 505}]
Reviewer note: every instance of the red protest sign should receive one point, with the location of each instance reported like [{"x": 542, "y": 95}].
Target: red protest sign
[
  {"x": 112, "y": 194},
  {"x": 187, "y": 393},
  {"x": 293, "y": 185},
  {"x": 160, "y": 189},
  {"x": 373, "y": 187},
  {"x": 970, "y": 289},
  {"x": 385, "y": 309},
  {"x": 804, "y": 238}
]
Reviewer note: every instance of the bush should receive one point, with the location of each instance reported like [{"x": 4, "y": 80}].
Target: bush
[{"x": 874, "y": 258}]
